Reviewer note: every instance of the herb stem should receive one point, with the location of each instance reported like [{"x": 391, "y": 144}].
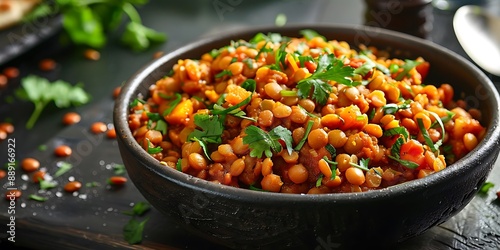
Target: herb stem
[
  {"x": 132, "y": 13},
  {"x": 39, "y": 106}
]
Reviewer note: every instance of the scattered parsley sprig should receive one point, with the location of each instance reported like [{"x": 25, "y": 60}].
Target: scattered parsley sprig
[{"x": 41, "y": 92}]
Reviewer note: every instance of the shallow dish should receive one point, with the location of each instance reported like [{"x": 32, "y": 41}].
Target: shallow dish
[{"x": 242, "y": 218}]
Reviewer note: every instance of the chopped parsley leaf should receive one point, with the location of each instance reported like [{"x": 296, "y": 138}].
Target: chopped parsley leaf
[
  {"x": 261, "y": 141},
  {"x": 329, "y": 68}
]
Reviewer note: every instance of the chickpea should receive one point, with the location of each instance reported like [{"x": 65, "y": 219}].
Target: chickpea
[{"x": 30, "y": 164}]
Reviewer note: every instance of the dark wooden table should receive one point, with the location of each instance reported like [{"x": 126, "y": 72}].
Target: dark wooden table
[{"x": 93, "y": 218}]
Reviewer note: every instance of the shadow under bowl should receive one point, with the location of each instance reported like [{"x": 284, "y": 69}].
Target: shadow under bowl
[{"x": 241, "y": 218}]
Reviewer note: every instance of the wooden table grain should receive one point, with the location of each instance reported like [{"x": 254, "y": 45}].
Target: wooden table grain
[{"x": 93, "y": 217}]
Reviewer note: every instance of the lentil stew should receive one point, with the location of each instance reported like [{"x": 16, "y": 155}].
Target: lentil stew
[{"x": 303, "y": 115}]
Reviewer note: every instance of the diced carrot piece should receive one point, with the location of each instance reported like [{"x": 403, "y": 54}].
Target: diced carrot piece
[
  {"x": 236, "y": 94},
  {"x": 181, "y": 113}
]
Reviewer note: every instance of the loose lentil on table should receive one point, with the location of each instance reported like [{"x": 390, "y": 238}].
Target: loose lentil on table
[{"x": 377, "y": 126}]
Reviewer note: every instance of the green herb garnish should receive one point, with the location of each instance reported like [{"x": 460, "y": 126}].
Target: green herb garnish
[
  {"x": 392, "y": 108},
  {"x": 139, "y": 209},
  {"x": 132, "y": 231},
  {"x": 63, "y": 168},
  {"x": 409, "y": 65},
  {"x": 363, "y": 164},
  {"x": 172, "y": 104},
  {"x": 310, "y": 123},
  {"x": 41, "y": 92},
  {"x": 38, "y": 198},
  {"x": 261, "y": 141},
  {"x": 317, "y": 87}
]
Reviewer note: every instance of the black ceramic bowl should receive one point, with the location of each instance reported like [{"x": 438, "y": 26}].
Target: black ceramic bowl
[{"x": 242, "y": 218}]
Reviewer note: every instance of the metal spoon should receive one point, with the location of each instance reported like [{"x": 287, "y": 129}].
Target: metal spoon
[{"x": 479, "y": 34}]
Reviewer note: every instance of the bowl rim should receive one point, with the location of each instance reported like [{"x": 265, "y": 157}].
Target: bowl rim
[{"x": 120, "y": 114}]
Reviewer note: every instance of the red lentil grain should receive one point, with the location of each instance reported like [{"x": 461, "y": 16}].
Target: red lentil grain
[
  {"x": 92, "y": 54},
  {"x": 13, "y": 194},
  {"x": 111, "y": 134},
  {"x": 116, "y": 91},
  {"x": 3, "y": 135},
  {"x": 47, "y": 64},
  {"x": 3, "y": 81},
  {"x": 63, "y": 151},
  {"x": 38, "y": 176},
  {"x": 30, "y": 164},
  {"x": 117, "y": 180},
  {"x": 158, "y": 54},
  {"x": 71, "y": 118},
  {"x": 11, "y": 72},
  {"x": 7, "y": 127},
  {"x": 98, "y": 127},
  {"x": 72, "y": 186},
  {"x": 2, "y": 174}
]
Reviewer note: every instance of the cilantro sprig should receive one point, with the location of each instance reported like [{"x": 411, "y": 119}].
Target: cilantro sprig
[
  {"x": 329, "y": 68},
  {"x": 88, "y": 22},
  {"x": 262, "y": 142},
  {"x": 133, "y": 230},
  {"x": 392, "y": 108},
  {"x": 211, "y": 128},
  {"x": 41, "y": 92}
]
